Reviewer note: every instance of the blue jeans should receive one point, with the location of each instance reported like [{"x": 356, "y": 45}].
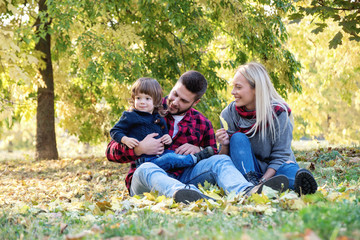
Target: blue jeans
[
  {"x": 218, "y": 169},
  {"x": 244, "y": 159},
  {"x": 170, "y": 160}
]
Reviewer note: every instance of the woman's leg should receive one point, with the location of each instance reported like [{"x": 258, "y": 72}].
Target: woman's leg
[
  {"x": 289, "y": 169},
  {"x": 243, "y": 157}
]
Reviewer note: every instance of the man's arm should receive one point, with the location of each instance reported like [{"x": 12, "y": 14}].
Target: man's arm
[{"x": 117, "y": 152}]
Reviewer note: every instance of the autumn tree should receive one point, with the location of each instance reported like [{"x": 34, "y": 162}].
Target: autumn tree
[
  {"x": 345, "y": 13},
  {"x": 329, "y": 106},
  {"x": 99, "y": 48}
]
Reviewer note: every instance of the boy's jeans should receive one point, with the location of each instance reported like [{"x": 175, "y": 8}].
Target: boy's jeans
[
  {"x": 244, "y": 159},
  {"x": 169, "y": 160},
  {"x": 218, "y": 169}
]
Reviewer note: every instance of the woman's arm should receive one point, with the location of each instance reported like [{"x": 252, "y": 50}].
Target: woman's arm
[{"x": 222, "y": 137}]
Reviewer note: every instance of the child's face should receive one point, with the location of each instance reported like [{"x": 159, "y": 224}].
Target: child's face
[{"x": 144, "y": 103}]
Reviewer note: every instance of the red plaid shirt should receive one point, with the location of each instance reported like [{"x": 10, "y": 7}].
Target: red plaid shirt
[{"x": 194, "y": 129}]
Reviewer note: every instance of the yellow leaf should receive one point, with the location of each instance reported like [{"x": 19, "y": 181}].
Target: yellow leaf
[
  {"x": 149, "y": 196},
  {"x": 259, "y": 199},
  {"x": 224, "y": 123},
  {"x": 296, "y": 204},
  {"x": 105, "y": 205},
  {"x": 214, "y": 195},
  {"x": 231, "y": 209},
  {"x": 160, "y": 198}
]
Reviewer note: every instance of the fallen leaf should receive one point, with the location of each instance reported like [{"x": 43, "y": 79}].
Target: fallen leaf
[
  {"x": 311, "y": 235},
  {"x": 78, "y": 236},
  {"x": 127, "y": 238},
  {"x": 354, "y": 160},
  {"x": 63, "y": 226},
  {"x": 224, "y": 123}
]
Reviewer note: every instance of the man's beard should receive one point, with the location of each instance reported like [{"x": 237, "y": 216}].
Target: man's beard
[{"x": 183, "y": 111}]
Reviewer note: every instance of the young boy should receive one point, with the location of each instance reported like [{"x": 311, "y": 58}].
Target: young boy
[{"x": 135, "y": 125}]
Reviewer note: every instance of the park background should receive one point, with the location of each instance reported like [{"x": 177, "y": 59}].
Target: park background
[{"x": 65, "y": 72}]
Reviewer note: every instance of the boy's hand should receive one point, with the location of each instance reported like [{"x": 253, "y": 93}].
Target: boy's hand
[
  {"x": 166, "y": 139},
  {"x": 130, "y": 142}
]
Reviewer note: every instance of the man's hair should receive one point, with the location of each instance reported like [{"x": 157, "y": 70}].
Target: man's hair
[
  {"x": 195, "y": 82},
  {"x": 147, "y": 86}
]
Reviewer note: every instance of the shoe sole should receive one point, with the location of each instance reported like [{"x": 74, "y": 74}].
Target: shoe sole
[
  {"x": 305, "y": 183},
  {"x": 186, "y": 196},
  {"x": 279, "y": 183}
]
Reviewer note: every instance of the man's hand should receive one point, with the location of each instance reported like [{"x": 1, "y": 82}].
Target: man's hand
[
  {"x": 130, "y": 142},
  {"x": 150, "y": 146},
  {"x": 222, "y": 137},
  {"x": 187, "y": 148},
  {"x": 166, "y": 139}
]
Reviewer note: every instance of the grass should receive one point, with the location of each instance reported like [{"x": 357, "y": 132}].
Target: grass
[{"x": 85, "y": 198}]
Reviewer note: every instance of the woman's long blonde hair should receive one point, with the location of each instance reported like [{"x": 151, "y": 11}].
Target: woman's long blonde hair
[{"x": 266, "y": 97}]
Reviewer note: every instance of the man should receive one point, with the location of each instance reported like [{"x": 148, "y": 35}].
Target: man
[{"x": 191, "y": 132}]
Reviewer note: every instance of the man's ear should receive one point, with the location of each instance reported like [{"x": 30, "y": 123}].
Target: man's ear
[{"x": 196, "y": 102}]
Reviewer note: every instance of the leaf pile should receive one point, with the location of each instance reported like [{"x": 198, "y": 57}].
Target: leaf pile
[{"x": 92, "y": 190}]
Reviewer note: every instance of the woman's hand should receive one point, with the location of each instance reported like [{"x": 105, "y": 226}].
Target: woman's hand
[{"x": 222, "y": 137}]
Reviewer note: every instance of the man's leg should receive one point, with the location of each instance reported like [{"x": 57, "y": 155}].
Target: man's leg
[
  {"x": 150, "y": 177},
  {"x": 300, "y": 180},
  {"x": 218, "y": 169}
]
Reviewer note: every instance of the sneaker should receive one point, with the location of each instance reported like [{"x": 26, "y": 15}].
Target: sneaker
[
  {"x": 305, "y": 182},
  {"x": 205, "y": 153},
  {"x": 279, "y": 183},
  {"x": 188, "y": 195},
  {"x": 253, "y": 177},
  {"x": 139, "y": 161}
]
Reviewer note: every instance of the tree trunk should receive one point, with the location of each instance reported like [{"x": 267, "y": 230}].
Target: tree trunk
[{"x": 45, "y": 116}]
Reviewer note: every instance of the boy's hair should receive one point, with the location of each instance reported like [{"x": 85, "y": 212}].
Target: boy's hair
[
  {"x": 147, "y": 86},
  {"x": 195, "y": 82}
]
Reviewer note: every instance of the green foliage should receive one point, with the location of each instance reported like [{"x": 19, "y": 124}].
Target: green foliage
[
  {"x": 328, "y": 220},
  {"x": 329, "y": 104},
  {"x": 345, "y": 13},
  {"x": 101, "y": 47}
]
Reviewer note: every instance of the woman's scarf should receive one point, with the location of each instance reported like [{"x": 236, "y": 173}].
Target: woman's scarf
[{"x": 251, "y": 115}]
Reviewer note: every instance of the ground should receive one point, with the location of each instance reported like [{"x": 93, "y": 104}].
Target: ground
[{"x": 86, "y": 198}]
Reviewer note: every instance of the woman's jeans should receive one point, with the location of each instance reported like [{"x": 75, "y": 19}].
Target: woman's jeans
[
  {"x": 218, "y": 169},
  {"x": 244, "y": 159}
]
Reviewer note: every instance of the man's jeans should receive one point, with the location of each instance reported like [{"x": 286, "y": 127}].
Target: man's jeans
[
  {"x": 244, "y": 159},
  {"x": 218, "y": 169}
]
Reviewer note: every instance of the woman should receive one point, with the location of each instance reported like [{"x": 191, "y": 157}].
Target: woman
[{"x": 259, "y": 134}]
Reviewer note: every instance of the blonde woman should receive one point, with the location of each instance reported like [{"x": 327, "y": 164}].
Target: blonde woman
[{"x": 259, "y": 134}]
